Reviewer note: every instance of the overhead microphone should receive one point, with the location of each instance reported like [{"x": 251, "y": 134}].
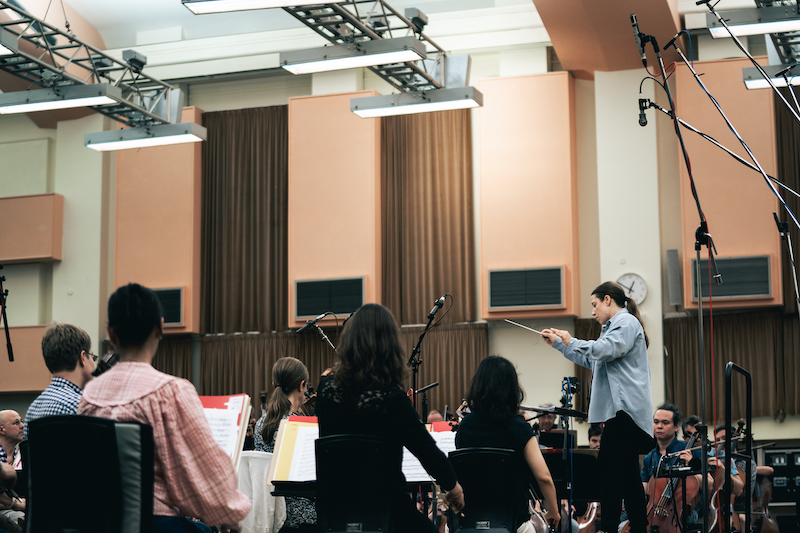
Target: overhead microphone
[
  {"x": 438, "y": 304},
  {"x": 639, "y": 41},
  {"x": 642, "y": 106},
  {"x": 310, "y": 323}
]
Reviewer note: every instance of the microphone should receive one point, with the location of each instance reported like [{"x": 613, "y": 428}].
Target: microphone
[
  {"x": 436, "y": 306},
  {"x": 642, "y": 106},
  {"x": 310, "y": 323},
  {"x": 638, "y": 36}
]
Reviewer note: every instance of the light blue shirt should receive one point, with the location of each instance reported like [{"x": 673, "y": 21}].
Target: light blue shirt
[{"x": 620, "y": 370}]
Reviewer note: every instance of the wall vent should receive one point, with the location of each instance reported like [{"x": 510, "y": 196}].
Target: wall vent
[
  {"x": 742, "y": 277},
  {"x": 172, "y": 302},
  {"x": 314, "y": 297},
  {"x": 532, "y": 288}
]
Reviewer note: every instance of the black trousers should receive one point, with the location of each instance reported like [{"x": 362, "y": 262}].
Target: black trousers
[{"x": 618, "y": 462}]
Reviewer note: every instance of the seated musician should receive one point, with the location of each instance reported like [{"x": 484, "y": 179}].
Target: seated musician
[
  {"x": 193, "y": 475},
  {"x": 689, "y": 426},
  {"x": 595, "y": 436},
  {"x": 494, "y": 399},
  {"x": 290, "y": 379},
  {"x": 546, "y": 420},
  {"x": 366, "y": 396}
]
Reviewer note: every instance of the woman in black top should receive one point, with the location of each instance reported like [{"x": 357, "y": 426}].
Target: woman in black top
[
  {"x": 366, "y": 396},
  {"x": 494, "y": 398}
]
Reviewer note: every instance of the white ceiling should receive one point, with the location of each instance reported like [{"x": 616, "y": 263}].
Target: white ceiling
[{"x": 119, "y": 21}]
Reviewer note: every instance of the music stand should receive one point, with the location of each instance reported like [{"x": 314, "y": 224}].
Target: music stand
[{"x": 579, "y": 476}]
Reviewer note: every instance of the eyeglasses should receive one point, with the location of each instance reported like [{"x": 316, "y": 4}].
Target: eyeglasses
[{"x": 93, "y": 356}]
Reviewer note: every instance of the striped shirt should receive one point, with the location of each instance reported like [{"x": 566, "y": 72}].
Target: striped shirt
[{"x": 61, "y": 397}]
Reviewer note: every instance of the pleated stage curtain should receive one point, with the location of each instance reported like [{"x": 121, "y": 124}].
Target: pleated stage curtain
[
  {"x": 244, "y": 221},
  {"x": 585, "y": 329},
  {"x": 174, "y": 356},
  {"x": 428, "y": 216},
  {"x": 754, "y": 340}
]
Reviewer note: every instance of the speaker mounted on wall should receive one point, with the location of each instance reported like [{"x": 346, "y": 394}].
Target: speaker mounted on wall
[
  {"x": 172, "y": 302},
  {"x": 530, "y": 288},
  {"x": 743, "y": 278},
  {"x": 314, "y": 297}
]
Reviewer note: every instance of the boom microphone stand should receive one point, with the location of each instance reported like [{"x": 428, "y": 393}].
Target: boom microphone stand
[
  {"x": 415, "y": 360},
  {"x": 4, "y": 317}
]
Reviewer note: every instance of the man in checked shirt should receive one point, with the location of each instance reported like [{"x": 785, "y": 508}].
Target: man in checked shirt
[{"x": 67, "y": 354}]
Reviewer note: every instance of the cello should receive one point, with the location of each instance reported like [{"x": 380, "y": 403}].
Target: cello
[{"x": 665, "y": 511}]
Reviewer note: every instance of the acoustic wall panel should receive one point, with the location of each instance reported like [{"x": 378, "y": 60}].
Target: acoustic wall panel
[
  {"x": 737, "y": 203},
  {"x": 528, "y": 160}
]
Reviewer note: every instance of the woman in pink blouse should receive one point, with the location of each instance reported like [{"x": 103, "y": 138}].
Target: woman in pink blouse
[{"x": 193, "y": 475}]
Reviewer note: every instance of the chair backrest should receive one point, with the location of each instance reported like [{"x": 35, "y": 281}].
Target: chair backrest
[
  {"x": 89, "y": 474},
  {"x": 268, "y": 512},
  {"x": 488, "y": 477},
  {"x": 349, "y": 473}
]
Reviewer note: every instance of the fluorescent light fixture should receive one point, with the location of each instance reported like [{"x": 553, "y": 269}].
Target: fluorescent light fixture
[
  {"x": 365, "y": 54},
  {"x": 417, "y": 102},
  {"x": 144, "y": 137},
  {"x": 755, "y": 21},
  {"x": 201, "y": 7},
  {"x": 754, "y": 80},
  {"x": 60, "y": 98},
  {"x": 8, "y": 44}
]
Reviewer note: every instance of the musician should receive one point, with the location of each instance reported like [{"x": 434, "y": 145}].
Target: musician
[
  {"x": 366, "y": 396},
  {"x": 67, "y": 353},
  {"x": 621, "y": 398},
  {"x": 738, "y": 466},
  {"x": 546, "y": 420},
  {"x": 290, "y": 380},
  {"x": 494, "y": 399},
  {"x": 689, "y": 426},
  {"x": 193, "y": 475},
  {"x": 8, "y": 479},
  {"x": 595, "y": 435},
  {"x": 435, "y": 416},
  {"x": 666, "y": 421},
  {"x": 12, "y": 429}
]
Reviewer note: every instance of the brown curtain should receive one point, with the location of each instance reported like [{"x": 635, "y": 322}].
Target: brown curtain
[
  {"x": 174, "y": 356},
  {"x": 233, "y": 364},
  {"x": 428, "y": 236},
  {"x": 787, "y": 137},
  {"x": 244, "y": 221},
  {"x": 450, "y": 355},
  {"x": 753, "y": 340},
  {"x": 586, "y": 329}
]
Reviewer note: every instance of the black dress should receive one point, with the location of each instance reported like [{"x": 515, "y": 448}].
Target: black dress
[
  {"x": 387, "y": 414},
  {"x": 478, "y": 430}
]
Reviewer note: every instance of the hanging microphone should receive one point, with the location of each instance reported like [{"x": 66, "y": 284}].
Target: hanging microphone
[
  {"x": 638, "y": 36},
  {"x": 310, "y": 323},
  {"x": 438, "y": 304},
  {"x": 642, "y": 106}
]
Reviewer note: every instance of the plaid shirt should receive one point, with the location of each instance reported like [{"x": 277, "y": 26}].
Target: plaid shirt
[
  {"x": 61, "y": 397},
  {"x": 193, "y": 476},
  {"x": 4, "y": 456}
]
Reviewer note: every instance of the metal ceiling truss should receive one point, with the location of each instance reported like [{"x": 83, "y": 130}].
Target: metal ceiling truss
[
  {"x": 788, "y": 43},
  {"x": 50, "y": 58},
  {"x": 356, "y": 21}
]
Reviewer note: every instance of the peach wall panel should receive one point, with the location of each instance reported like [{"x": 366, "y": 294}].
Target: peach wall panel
[
  {"x": 528, "y": 183},
  {"x": 158, "y": 221},
  {"x": 28, "y": 372},
  {"x": 32, "y": 228},
  {"x": 334, "y": 194},
  {"x": 736, "y": 201}
]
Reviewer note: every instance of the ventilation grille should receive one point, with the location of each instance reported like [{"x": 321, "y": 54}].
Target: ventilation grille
[
  {"x": 743, "y": 277},
  {"x": 172, "y": 302},
  {"x": 320, "y": 296},
  {"x": 531, "y": 288}
]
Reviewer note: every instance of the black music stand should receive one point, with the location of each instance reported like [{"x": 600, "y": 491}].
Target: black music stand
[{"x": 580, "y": 477}]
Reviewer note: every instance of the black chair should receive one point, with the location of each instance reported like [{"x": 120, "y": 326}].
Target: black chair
[
  {"x": 89, "y": 475},
  {"x": 489, "y": 478},
  {"x": 349, "y": 473}
]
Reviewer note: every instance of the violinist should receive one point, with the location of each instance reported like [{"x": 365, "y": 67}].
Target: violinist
[
  {"x": 290, "y": 379},
  {"x": 595, "y": 436},
  {"x": 689, "y": 426},
  {"x": 666, "y": 421}
]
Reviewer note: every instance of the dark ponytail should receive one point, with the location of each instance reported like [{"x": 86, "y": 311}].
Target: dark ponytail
[
  {"x": 134, "y": 312},
  {"x": 617, "y": 293},
  {"x": 287, "y": 375}
]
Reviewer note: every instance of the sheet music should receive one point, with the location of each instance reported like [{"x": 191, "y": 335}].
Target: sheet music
[
  {"x": 445, "y": 440},
  {"x": 236, "y": 403},
  {"x": 304, "y": 461},
  {"x": 224, "y": 428}
]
